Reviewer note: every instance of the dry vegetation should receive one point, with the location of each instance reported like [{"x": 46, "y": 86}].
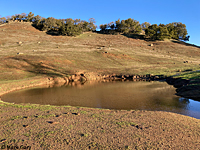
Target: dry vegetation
[
  {"x": 44, "y": 54},
  {"x": 48, "y": 127}
]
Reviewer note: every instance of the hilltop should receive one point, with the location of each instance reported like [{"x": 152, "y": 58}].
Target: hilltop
[{"x": 27, "y": 52}]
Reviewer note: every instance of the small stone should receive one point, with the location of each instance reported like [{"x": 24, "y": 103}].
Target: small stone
[
  {"x": 52, "y": 122},
  {"x": 66, "y": 113},
  {"x": 126, "y": 147},
  {"x": 19, "y": 53},
  {"x": 25, "y": 126},
  {"x": 38, "y": 42},
  {"x": 78, "y": 114},
  {"x": 151, "y": 45},
  {"x": 20, "y": 42}
]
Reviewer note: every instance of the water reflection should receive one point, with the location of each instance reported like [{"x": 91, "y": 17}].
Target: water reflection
[{"x": 117, "y": 95}]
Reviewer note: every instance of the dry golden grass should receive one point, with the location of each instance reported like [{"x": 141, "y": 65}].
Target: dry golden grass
[
  {"x": 84, "y": 128},
  {"x": 42, "y": 54}
]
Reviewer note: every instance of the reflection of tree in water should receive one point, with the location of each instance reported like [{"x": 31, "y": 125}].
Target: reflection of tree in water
[
  {"x": 184, "y": 100},
  {"x": 169, "y": 101}
]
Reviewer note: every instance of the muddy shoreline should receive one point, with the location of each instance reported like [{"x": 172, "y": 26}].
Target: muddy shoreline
[{"x": 74, "y": 79}]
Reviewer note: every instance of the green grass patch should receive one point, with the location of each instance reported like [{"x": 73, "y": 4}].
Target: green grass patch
[
  {"x": 190, "y": 75},
  {"x": 125, "y": 123}
]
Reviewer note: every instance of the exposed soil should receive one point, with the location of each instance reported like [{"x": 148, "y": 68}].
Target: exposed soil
[
  {"x": 48, "y": 127},
  {"x": 43, "y": 59}
]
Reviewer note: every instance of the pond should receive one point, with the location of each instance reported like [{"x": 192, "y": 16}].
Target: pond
[{"x": 111, "y": 95}]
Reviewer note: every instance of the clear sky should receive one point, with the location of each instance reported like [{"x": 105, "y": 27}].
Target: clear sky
[{"x": 105, "y": 11}]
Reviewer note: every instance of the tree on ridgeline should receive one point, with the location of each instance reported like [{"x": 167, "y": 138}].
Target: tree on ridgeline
[
  {"x": 92, "y": 26},
  {"x": 111, "y": 25},
  {"x": 118, "y": 25},
  {"x": 30, "y": 17},
  {"x": 175, "y": 30},
  {"x": 131, "y": 26},
  {"x": 70, "y": 27},
  {"x": 179, "y": 30},
  {"x": 151, "y": 31},
  {"x": 162, "y": 32},
  {"x": 2, "y": 19},
  {"x": 128, "y": 26},
  {"x": 103, "y": 27},
  {"x": 145, "y": 25},
  {"x": 84, "y": 25}
]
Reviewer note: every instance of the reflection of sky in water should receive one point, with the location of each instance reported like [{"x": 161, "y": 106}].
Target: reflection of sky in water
[
  {"x": 192, "y": 107},
  {"x": 120, "y": 95}
]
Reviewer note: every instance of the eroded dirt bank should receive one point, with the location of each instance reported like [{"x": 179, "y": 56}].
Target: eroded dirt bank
[{"x": 78, "y": 78}]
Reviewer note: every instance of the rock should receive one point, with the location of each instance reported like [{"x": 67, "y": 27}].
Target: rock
[
  {"x": 83, "y": 79},
  {"x": 151, "y": 44},
  {"x": 66, "y": 79},
  {"x": 52, "y": 122},
  {"x": 78, "y": 114},
  {"x": 25, "y": 126},
  {"x": 134, "y": 77},
  {"x": 20, "y": 42},
  {"x": 59, "y": 80},
  {"x": 38, "y": 42},
  {"x": 19, "y": 53}
]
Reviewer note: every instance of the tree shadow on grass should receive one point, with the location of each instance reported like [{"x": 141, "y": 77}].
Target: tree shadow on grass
[
  {"x": 38, "y": 68},
  {"x": 184, "y": 43},
  {"x": 131, "y": 35}
]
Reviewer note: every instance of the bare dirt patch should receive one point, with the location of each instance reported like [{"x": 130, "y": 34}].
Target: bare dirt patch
[{"x": 48, "y": 127}]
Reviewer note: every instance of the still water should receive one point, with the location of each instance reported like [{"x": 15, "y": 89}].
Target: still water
[{"x": 111, "y": 95}]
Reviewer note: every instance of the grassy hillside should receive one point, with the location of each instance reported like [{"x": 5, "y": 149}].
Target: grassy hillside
[
  {"x": 43, "y": 54},
  {"x": 28, "y": 56}
]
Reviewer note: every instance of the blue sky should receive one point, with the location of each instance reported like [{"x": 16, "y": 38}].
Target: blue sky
[{"x": 105, "y": 11}]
